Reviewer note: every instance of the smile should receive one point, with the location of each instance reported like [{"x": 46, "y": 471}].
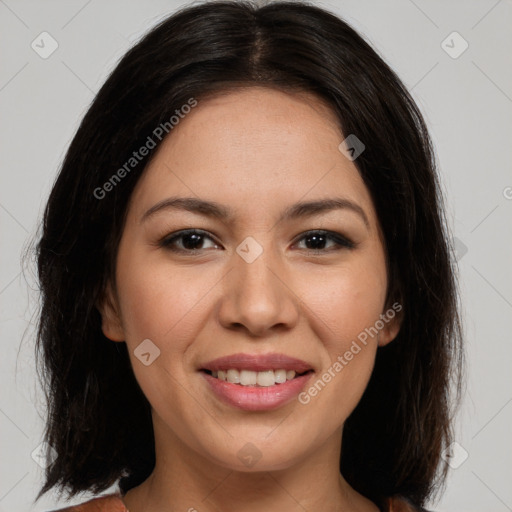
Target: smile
[
  {"x": 254, "y": 396},
  {"x": 264, "y": 378}
]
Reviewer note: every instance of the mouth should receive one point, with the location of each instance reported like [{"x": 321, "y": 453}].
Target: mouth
[
  {"x": 256, "y": 382},
  {"x": 256, "y": 397},
  {"x": 250, "y": 378}
]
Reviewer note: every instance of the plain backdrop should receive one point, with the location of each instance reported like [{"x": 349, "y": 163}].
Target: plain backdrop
[{"x": 466, "y": 97}]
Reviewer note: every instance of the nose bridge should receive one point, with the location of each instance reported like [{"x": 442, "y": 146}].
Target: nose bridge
[{"x": 255, "y": 295}]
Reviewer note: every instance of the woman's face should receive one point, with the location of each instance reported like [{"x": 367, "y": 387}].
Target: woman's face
[{"x": 252, "y": 282}]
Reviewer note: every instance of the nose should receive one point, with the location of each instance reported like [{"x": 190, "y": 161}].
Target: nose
[{"x": 258, "y": 297}]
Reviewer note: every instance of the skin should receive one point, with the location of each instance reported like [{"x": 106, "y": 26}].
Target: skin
[{"x": 255, "y": 150}]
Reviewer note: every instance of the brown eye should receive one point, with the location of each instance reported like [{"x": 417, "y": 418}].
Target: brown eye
[
  {"x": 318, "y": 239},
  {"x": 190, "y": 240}
]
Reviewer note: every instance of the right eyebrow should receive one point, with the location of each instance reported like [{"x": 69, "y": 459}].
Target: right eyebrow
[{"x": 190, "y": 204}]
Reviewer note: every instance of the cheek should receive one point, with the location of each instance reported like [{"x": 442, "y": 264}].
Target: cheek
[
  {"x": 347, "y": 299},
  {"x": 160, "y": 302},
  {"x": 344, "y": 306},
  {"x": 166, "y": 307}
]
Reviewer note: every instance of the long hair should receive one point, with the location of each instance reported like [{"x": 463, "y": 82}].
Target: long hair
[{"x": 98, "y": 420}]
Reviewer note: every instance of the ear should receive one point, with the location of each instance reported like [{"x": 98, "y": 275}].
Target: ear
[
  {"x": 108, "y": 307},
  {"x": 392, "y": 319}
]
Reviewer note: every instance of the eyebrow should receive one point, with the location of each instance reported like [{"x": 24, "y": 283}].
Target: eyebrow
[{"x": 218, "y": 211}]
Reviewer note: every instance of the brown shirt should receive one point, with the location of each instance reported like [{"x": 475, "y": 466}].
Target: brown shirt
[{"x": 113, "y": 503}]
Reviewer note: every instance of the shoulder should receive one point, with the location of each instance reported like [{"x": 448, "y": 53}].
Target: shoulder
[
  {"x": 400, "y": 504},
  {"x": 109, "y": 503}
]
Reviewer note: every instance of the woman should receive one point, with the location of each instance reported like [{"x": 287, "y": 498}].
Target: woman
[{"x": 248, "y": 294}]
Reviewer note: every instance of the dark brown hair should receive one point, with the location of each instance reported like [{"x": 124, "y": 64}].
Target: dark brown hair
[{"x": 98, "y": 420}]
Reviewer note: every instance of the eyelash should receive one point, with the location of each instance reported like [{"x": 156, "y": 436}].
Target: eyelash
[{"x": 342, "y": 242}]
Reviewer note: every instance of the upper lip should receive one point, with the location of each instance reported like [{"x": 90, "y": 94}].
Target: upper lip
[{"x": 257, "y": 363}]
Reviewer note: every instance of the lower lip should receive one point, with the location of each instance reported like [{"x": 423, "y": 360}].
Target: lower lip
[{"x": 255, "y": 398}]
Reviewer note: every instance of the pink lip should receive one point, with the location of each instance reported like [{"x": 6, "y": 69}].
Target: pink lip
[
  {"x": 258, "y": 363},
  {"x": 254, "y": 398}
]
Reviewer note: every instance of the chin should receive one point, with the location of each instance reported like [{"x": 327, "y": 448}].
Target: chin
[{"x": 257, "y": 455}]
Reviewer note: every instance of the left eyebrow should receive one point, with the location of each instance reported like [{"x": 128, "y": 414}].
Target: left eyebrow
[
  {"x": 308, "y": 209},
  {"x": 218, "y": 211}
]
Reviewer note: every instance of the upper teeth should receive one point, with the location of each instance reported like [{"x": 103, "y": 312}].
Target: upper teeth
[{"x": 250, "y": 378}]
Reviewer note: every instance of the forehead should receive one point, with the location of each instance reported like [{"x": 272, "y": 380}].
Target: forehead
[{"x": 252, "y": 149}]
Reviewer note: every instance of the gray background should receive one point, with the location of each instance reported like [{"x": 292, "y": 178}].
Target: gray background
[{"x": 467, "y": 102}]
